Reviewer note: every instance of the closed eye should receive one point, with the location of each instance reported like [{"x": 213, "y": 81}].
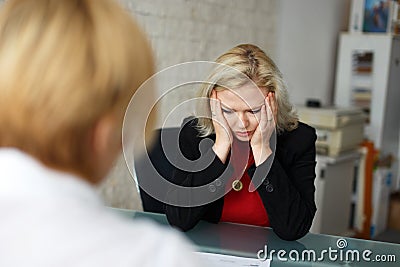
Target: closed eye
[
  {"x": 254, "y": 111},
  {"x": 226, "y": 111}
]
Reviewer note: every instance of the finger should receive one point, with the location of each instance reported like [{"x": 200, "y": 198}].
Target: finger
[
  {"x": 218, "y": 109},
  {"x": 213, "y": 104},
  {"x": 270, "y": 100},
  {"x": 268, "y": 109},
  {"x": 220, "y": 118},
  {"x": 264, "y": 117},
  {"x": 274, "y": 106},
  {"x": 213, "y": 94}
]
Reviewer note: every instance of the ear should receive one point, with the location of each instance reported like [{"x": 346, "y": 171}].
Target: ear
[{"x": 105, "y": 144}]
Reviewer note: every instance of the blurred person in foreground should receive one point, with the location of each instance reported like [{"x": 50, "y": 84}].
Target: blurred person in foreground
[{"x": 68, "y": 69}]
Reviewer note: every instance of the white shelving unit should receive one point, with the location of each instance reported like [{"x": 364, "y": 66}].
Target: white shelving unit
[{"x": 368, "y": 76}]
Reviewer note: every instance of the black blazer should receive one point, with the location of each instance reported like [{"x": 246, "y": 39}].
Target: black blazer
[{"x": 287, "y": 192}]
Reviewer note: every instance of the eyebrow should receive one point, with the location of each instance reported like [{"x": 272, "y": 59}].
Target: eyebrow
[{"x": 251, "y": 109}]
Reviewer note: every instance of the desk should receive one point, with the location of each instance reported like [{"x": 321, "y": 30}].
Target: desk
[{"x": 246, "y": 241}]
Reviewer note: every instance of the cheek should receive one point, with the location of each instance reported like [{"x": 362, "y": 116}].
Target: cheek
[
  {"x": 231, "y": 119},
  {"x": 257, "y": 117},
  {"x": 254, "y": 120}
]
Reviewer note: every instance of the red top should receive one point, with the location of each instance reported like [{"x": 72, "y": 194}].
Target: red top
[{"x": 243, "y": 206}]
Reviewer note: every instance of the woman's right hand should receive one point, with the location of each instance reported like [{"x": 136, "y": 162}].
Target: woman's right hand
[{"x": 224, "y": 138}]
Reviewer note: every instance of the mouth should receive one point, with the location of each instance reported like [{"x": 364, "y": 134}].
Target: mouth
[{"x": 244, "y": 134}]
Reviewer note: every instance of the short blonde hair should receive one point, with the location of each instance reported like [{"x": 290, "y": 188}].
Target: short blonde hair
[
  {"x": 254, "y": 64},
  {"x": 64, "y": 64}
]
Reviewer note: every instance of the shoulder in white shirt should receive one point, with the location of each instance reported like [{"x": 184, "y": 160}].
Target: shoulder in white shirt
[{"x": 51, "y": 218}]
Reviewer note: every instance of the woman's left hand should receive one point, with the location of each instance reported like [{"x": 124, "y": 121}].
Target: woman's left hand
[{"x": 260, "y": 141}]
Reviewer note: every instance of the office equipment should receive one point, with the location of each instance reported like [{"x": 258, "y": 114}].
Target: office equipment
[{"x": 338, "y": 129}]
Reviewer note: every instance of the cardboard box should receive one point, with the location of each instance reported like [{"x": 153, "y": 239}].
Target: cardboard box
[{"x": 394, "y": 212}]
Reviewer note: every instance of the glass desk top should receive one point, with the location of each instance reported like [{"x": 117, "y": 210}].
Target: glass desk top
[{"x": 253, "y": 241}]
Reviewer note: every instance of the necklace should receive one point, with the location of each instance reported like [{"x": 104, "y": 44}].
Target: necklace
[
  {"x": 237, "y": 185},
  {"x": 242, "y": 154}
]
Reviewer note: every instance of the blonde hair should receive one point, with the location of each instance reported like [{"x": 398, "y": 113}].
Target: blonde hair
[
  {"x": 64, "y": 64},
  {"x": 252, "y": 63}
]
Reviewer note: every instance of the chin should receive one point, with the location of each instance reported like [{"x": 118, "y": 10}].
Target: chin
[{"x": 243, "y": 138}]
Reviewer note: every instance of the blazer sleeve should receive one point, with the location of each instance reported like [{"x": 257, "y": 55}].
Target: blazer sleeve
[
  {"x": 289, "y": 194},
  {"x": 193, "y": 149}
]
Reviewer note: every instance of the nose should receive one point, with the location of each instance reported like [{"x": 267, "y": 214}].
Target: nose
[{"x": 244, "y": 120}]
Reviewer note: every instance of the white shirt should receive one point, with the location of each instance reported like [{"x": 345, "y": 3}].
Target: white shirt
[{"x": 51, "y": 218}]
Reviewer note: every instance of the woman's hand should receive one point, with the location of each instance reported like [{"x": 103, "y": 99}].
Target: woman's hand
[
  {"x": 272, "y": 104},
  {"x": 223, "y": 140},
  {"x": 260, "y": 140}
]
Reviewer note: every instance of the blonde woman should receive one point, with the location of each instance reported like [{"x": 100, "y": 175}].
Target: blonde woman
[
  {"x": 246, "y": 110},
  {"x": 68, "y": 69}
]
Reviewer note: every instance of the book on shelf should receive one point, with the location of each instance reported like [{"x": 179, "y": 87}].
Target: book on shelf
[
  {"x": 362, "y": 96},
  {"x": 356, "y": 16}
]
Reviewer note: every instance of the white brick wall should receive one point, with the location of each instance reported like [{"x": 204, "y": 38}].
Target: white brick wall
[{"x": 188, "y": 30}]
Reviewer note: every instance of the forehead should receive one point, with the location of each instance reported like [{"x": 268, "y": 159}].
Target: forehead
[{"x": 243, "y": 98}]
